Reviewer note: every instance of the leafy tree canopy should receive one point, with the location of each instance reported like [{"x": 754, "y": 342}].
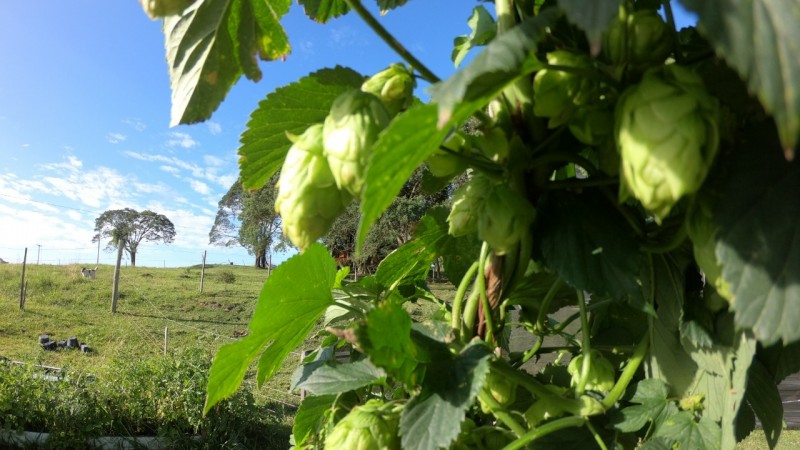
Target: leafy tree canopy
[{"x": 131, "y": 227}]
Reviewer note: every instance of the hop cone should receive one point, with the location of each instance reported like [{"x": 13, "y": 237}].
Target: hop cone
[
  {"x": 371, "y": 426},
  {"x": 557, "y": 94},
  {"x": 308, "y": 199},
  {"x": 394, "y": 86},
  {"x": 641, "y": 39},
  {"x": 505, "y": 219},
  {"x": 666, "y": 129},
  {"x": 162, "y": 8},
  {"x": 350, "y": 129},
  {"x": 601, "y": 372}
]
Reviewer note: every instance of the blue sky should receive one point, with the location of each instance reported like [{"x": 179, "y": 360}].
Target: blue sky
[{"x": 84, "y": 120}]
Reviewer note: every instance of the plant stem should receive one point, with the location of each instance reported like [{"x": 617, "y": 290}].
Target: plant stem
[
  {"x": 676, "y": 43},
  {"x": 543, "y": 430},
  {"x": 455, "y": 313},
  {"x": 349, "y": 308},
  {"x": 501, "y": 413},
  {"x": 390, "y": 40},
  {"x": 470, "y": 311},
  {"x": 481, "y": 286},
  {"x": 586, "y": 345},
  {"x": 675, "y": 241},
  {"x": 532, "y": 351},
  {"x": 627, "y": 374},
  {"x": 597, "y": 437},
  {"x": 548, "y": 298}
]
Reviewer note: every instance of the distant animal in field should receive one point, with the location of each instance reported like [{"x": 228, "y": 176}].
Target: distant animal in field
[{"x": 89, "y": 273}]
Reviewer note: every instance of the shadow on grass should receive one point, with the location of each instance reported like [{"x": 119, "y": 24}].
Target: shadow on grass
[{"x": 155, "y": 316}]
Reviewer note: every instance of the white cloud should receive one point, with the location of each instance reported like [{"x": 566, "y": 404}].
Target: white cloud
[
  {"x": 211, "y": 160},
  {"x": 169, "y": 169},
  {"x": 146, "y": 188},
  {"x": 199, "y": 186},
  {"x": 184, "y": 140},
  {"x": 116, "y": 138},
  {"x": 74, "y": 215},
  {"x": 214, "y": 128},
  {"x": 72, "y": 164},
  {"x": 227, "y": 181},
  {"x": 136, "y": 124}
]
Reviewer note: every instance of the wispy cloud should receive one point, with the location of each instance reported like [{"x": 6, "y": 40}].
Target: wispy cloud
[
  {"x": 136, "y": 124},
  {"x": 184, "y": 140},
  {"x": 211, "y": 160},
  {"x": 173, "y": 165},
  {"x": 199, "y": 186},
  {"x": 116, "y": 138},
  {"x": 169, "y": 169},
  {"x": 214, "y": 127}
]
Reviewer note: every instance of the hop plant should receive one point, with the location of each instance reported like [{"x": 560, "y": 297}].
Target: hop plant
[
  {"x": 556, "y": 93},
  {"x": 371, "y": 426},
  {"x": 350, "y": 130},
  {"x": 666, "y": 130},
  {"x": 641, "y": 39},
  {"x": 702, "y": 231},
  {"x": 592, "y": 125},
  {"x": 601, "y": 372},
  {"x": 443, "y": 164},
  {"x": 467, "y": 206},
  {"x": 162, "y": 8},
  {"x": 394, "y": 86},
  {"x": 308, "y": 199},
  {"x": 505, "y": 219}
]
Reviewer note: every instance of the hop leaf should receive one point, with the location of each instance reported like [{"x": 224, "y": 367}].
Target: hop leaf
[
  {"x": 350, "y": 130},
  {"x": 161, "y": 8},
  {"x": 666, "y": 129},
  {"x": 308, "y": 199},
  {"x": 371, "y": 426},
  {"x": 394, "y": 86},
  {"x": 468, "y": 203},
  {"x": 702, "y": 231}
]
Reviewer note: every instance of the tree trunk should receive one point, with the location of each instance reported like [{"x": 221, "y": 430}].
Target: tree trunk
[
  {"x": 260, "y": 259},
  {"x": 133, "y": 258}
]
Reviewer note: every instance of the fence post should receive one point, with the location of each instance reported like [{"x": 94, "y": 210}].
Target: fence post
[
  {"x": 203, "y": 271},
  {"x": 22, "y": 282},
  {"x": 165, "y": 340},
  {"x": 115, "y": 293}
]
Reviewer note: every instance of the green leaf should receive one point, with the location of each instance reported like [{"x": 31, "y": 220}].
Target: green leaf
[
  {"x": 781, "y": 361},
  {"x": 697, "y": 435},
  {"x": 761, "y": 40},
  {"x": 410, "y": 261},
  {"x": 653, "y": 404},
  {"x": 211, "y": 44},
  {"x": 432, "y": 419},
  {"x": 506, "y": 58},
  {"x": 592, "y": 17},
  {"x": 292, "y": 300},
  {"x": 292, "y": 109},
  {"x": 310, "y": 416},
  {"x": 764, "y": 398},
  {"x": 588, "y": 244},
  {"x": 758, "y": 243},
  {"x": 338, "y": 378},
  {"x": 324, "y": 10},
  {"x": 483, "y": 27},
  {"x": 386, "y": 338},
  {"x": 386, "y": 5}
]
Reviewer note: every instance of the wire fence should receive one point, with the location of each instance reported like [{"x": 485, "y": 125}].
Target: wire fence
[{"x": 89, "y": 256}]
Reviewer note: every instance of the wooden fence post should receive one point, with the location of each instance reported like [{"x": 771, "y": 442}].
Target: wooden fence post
[
  {"x": 165, "y": 340},
  {"x": 115, "y": 293},
  {"x": 22, "y": 282},
  {"x": 203, "y": 271}
]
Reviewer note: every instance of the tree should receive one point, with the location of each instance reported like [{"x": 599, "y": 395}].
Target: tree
[
  {"x": 247, "y": 218},
  {"x": 615, "y": 156},
  {"x": 131, "y": 227}
]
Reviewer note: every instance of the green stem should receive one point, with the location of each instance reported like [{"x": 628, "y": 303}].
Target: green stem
[
  {"x": 545, "y": 306},
  {"x": 586, "y": 345},
  {"x": 543, "y": 430},
  {"x": 501, "y": 413},
  {"x": 597, "y": 437},
  {"x": 470, "y": 311},
  {"x": 349, "y": 308},
  {"x": 455, "y": 314},
  {"x": 390, "y": 40},
  {"x": 481, "y": 285},
  {"x": 475, "y": 162},
  {"x": 676, "y": 43},
  {"x": 628, "y": 372},
  {"x": 532, "y": 351},
  {"x": 505, "y": 15}
]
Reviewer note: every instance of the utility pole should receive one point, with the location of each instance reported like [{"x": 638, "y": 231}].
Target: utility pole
[
  {"x": 203, "y": 271},
  {"x": 38, "y": 250}
]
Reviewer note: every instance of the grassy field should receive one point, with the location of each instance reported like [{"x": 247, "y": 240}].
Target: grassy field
[{"x": 61, "y": 303}]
